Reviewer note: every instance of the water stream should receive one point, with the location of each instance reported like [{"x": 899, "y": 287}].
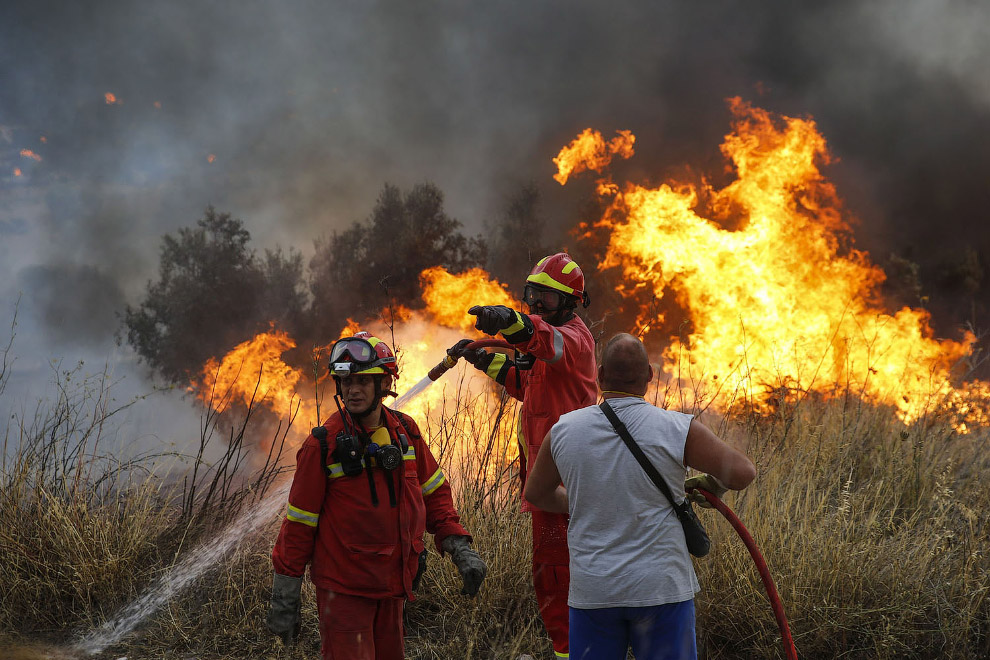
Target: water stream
[
  {"x": 411, "y": 393},
  {"x": 182, "y": 574},
  {"x": 198, "y": 561}
]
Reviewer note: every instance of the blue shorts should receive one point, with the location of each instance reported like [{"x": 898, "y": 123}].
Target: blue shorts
[{"x": 660, "y": 632}]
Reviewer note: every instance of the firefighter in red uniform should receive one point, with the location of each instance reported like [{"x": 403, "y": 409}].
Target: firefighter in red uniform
[
  {"x": 366, "y": 487},
  {"x": 554, "y": 372}
]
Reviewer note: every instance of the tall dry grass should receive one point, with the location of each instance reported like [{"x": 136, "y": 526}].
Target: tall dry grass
[
  {"x": 83, "y": 531},
  {"x": 876, "y": 534}
]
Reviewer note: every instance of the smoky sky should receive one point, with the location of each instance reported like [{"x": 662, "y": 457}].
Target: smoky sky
[{"x": 292, "y": 115}]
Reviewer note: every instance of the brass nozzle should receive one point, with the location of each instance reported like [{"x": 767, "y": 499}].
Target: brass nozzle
[{"x": 441, "y": 368}]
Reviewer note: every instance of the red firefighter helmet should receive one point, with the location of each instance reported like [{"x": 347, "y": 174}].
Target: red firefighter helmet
[
  {"x": 560, "y": 273},
  {"x": 362, "y": 354}
]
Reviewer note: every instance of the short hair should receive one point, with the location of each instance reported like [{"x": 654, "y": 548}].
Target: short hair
[{"x": 625, "y": 365}]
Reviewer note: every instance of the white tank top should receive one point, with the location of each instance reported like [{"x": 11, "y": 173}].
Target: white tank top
[{"x": 626, "y": 544}]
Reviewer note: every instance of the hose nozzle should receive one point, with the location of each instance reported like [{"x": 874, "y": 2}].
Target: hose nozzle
[{"x": 442, "y": 368}]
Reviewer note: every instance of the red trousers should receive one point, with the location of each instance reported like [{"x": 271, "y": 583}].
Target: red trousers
[
  {"x": 551, "y": 577},
  {"x": 356, "y": 628}
]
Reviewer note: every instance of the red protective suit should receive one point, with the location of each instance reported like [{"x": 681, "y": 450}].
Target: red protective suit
[
  {"x": 354, "y": 548},
  {"x": 562, "y": 379}
]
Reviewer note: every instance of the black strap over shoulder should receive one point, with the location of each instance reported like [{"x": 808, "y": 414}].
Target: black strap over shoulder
[
  {"x": 627, "y": 438},
  {"x": 320, "y": 433},
  {"x": 695, "y": 537},
  {"x": 404, "y": 441}
]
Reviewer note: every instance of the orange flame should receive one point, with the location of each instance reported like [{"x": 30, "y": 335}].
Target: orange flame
[
  {"x": 351, "y": 329},
  {"x": 43, "y": 139},
  {"x": 111, "y": 98},
  {"x": 210, "y": 158},
  {"x": 970, "y": 405},
  {"x": 27, "y": 153},
  {"x": 775, "y": 304},
  {"x": 448, "y": 297},
  {"x": 254, "y": 371},
  {"x": 589, "y": 151},
  {"x": 17, "y": 171}
]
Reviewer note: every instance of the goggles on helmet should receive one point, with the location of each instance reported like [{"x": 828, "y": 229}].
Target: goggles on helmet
[
  {"x": 550, "y": 300},
  {"x": 354, "y": 355}
]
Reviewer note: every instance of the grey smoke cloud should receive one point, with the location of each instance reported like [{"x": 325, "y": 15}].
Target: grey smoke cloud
[{"x": 292, "y": 115}]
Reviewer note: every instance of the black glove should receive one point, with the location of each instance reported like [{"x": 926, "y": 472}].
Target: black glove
[
  {"x": 283, "y": 617},
  {"x": 468, "y": 563},
  {"x": 472, "y": 356},
  {"x": 493, "y": 318},
  {"x": 524, "y": 361}
]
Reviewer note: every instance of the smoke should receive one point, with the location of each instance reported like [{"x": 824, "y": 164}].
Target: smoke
[
  {"x": 292, "y": 116},
  {"x": 86, "y": 314}
]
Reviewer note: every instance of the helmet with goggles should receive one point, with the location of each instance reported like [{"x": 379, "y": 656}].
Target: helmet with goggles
[
  {"x": 554, "y": 282},
  {"x": 362, "y": 354}
]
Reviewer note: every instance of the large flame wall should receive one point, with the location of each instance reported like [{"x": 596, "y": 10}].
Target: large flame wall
[
  {"x": 775, "y": 303},
  {"x": 778, "y": 300}
]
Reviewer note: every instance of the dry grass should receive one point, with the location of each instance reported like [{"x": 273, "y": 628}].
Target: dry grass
[{"x": 876, "y": 533}]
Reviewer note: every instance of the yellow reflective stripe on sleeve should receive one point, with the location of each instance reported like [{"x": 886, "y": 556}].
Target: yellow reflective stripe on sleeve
[
  {"x": 410, "y": 454},
  {"x": 305, "y": 517},
  {"x": 433, "y": 482},
  {"x": 495, "y": 365},
  {"x": 515, "y": 327},
  {"x": 561, "y": 655}
]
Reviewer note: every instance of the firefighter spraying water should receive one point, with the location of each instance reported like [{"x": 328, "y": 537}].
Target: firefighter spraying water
[
  {"x": 551, "y": 372},
  {"x": 499, "y": 366}
]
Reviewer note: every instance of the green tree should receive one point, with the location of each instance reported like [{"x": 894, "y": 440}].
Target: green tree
[
  {"x": 212, "y": 292},
  {"x": 405, "y": 233},
  {"x": 517, "y": 237}
]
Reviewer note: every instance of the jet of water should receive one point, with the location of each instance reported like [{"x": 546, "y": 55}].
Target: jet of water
[
  {"x": 193, "y": 565},
  {"x": 182, "y": 574},
  {"x": 412, "y": 393}
]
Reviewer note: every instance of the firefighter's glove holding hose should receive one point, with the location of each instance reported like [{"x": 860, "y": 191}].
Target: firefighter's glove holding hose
[
  {"x": 479, "y": 357},
  {"x": 458, "y": 350},
  {"x": 467, "y": 561},
  {"x": 704, "y": 482},
  {"x": 492, "y": 319},
  {"x": 283, "y": 617}
]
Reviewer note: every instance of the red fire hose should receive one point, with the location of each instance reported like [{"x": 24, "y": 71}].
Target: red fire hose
[
  {"x": 449, "y": 361},
  {"x": 754, "y": 552},
  {"x": 489, "y": 343},
  {"x": 761, "y": 566}
]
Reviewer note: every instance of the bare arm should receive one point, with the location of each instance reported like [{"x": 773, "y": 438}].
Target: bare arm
[
  {"x": 543, "y": 489},
  {"x": 706, "y": 452}
]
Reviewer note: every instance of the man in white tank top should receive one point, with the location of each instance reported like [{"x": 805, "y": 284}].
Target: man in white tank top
[{"x": 632, "y": 581}]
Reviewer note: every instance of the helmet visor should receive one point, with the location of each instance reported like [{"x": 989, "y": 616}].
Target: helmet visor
[
  {"x": 353, "y": 349},
  {"x": 550, "y": 300}
]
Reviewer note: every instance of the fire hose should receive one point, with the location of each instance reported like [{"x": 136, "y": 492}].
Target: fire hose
[
  {"x": 754, "y": 552},
  {"x": 761, "y": 565},
  {"x": 450, "y": 360}
]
